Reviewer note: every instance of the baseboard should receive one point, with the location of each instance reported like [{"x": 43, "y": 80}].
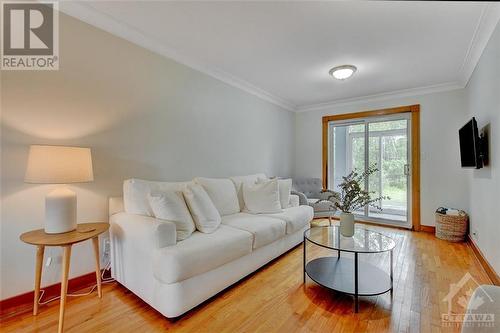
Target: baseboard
[
  {"x": 492, "y": 274},
  {"x": 24, "y": 302},
  {"x": 428, "y": 228}
]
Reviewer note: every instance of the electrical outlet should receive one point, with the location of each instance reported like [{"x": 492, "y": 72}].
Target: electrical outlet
[
  {"x": 106, "y": 249},
  {"x": 475, "y": 234}
]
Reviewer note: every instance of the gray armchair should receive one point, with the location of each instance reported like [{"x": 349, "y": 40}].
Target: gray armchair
[{"x": 309, "y": 191}]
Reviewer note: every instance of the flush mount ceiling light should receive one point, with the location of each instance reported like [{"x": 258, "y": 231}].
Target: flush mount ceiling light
[{"x": 342, "y": 72}]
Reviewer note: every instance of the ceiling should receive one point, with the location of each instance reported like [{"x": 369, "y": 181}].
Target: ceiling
[{"x": 282, "y": 51}]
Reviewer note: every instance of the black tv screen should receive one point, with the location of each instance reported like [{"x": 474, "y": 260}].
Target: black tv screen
[{"x": 469, "y": 145}]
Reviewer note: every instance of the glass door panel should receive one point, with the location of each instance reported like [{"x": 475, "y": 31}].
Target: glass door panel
[
  {"x": 348, "y": 153},
  {"x": 388, "y": 151},
  {"x": 382, "y": 142}
]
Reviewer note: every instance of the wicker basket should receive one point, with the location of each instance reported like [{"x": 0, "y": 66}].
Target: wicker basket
[{"x": 452, "y": 228}]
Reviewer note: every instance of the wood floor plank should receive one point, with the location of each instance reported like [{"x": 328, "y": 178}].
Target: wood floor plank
[{"x": 274, "y": 299}]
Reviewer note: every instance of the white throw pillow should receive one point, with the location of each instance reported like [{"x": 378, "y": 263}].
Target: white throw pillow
[
  {"x": 238, "y": 183},
  {"x": 223, "y": 194},
  {"x": 262, "y": 198},
  {"x": 285, "y": 188},
  {"x": 170, "y": 205},
  {"x": 135, "y": 194},
  {"x": 205, "y": 215}
]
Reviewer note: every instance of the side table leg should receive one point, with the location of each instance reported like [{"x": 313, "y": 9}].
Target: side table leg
[
  {"x": 64, "y": 285},
  {"x": 356, "y": 301},
  {"x": 38, "y": 276},
  {"x": 95, "y": 242}
]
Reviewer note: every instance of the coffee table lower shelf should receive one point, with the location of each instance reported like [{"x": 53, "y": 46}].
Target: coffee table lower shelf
[{"x": 338, "y": 274}]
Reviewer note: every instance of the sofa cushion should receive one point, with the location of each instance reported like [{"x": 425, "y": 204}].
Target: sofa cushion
[
  {"x": 295, "y": 217},
  {"x": 264, "y": 229},
  {"x": 201, "y": 253},
  {"x": 170, "y": 206},
  {"x": 262, "y": 197},
  {"x": 135, "y": 194},
  {"x": 238, "y": 183},
  {"x": 223, "y": 194},
  {"x": 206, "y": 217}
]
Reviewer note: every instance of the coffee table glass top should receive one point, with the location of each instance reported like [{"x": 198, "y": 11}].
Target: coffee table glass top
[{"x": 363, "y": 240}]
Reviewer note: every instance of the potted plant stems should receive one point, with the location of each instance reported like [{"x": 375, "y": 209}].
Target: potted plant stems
[{"x": 352, "y": 197}]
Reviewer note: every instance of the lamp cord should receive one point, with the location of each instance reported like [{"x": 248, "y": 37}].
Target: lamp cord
[{"x": 103, "y": 280}]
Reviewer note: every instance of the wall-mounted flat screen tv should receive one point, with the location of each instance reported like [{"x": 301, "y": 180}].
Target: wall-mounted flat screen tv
[{"x": 470, "y": 146}]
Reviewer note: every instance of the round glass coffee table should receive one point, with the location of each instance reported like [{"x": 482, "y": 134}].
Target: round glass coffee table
[{"x": 348, "y": 274}]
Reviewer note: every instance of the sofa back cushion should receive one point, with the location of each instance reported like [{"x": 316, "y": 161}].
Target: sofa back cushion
[
  {"x": 170, "y": 205},
  {"x": 262, "y": 198},
  {"x": 238, "y": 183},
  {"x": 222, "y": 193},
  {"x": 205, "y": 215},
  {"x": 311, "y": 187},
  {"x": 136, "y": 191}
]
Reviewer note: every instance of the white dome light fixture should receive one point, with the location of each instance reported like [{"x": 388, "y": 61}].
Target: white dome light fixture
[{"x": 342, "y": 72}]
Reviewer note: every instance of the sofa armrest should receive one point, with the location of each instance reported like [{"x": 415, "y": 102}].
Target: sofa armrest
[
  {"x": 135, "y": 239},
  {"x": 302, "y": 197},
  {"x": 294, "y": 200},
  {"x": 141, "y": 230}
]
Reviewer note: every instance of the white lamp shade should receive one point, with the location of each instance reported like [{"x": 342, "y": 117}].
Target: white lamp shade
[{"x": 59, "y": 165}]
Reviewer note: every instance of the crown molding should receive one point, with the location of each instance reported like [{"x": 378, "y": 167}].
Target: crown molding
[
  {"x": 490, "y": 16},
  {"x": 88, "y": 14},
  {"x": 488, "y": 20},
  {"x": 383, "y": 96}
]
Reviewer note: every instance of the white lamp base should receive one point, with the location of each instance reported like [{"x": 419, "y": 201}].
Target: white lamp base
[{"x": 60, "y": 211}]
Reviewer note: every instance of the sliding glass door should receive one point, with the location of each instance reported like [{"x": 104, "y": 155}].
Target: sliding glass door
[{"x": 383, "y": 142}]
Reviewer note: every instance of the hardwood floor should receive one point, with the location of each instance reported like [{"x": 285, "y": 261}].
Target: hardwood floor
[{"x": 275, "y": 300}]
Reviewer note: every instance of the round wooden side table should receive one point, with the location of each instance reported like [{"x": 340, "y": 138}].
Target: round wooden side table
[{"x": 84, "y": 231}]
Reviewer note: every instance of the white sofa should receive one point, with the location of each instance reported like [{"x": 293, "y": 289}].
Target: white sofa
[{"x": 173, "y": 277}]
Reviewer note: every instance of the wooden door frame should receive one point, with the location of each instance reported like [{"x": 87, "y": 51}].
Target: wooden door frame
[{"x": 415, "y": 150}]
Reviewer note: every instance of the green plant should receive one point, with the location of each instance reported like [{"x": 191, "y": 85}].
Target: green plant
[{"x": 352, "y": 196}]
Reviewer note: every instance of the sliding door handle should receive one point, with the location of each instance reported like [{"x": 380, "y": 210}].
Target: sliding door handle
[{"x": 407, "y": 169}]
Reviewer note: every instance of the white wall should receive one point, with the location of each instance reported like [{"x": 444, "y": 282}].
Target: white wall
[
  {"x": 483, "y": 102},
  {"x": 443, "y": 182},
  {"x": 142, "y": 115}
]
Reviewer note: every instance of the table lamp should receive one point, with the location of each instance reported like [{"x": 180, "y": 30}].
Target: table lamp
[{"x": 59, "y": 165}]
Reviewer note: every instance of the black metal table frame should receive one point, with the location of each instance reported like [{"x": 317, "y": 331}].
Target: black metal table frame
[{"x": 356, "y": 291}]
